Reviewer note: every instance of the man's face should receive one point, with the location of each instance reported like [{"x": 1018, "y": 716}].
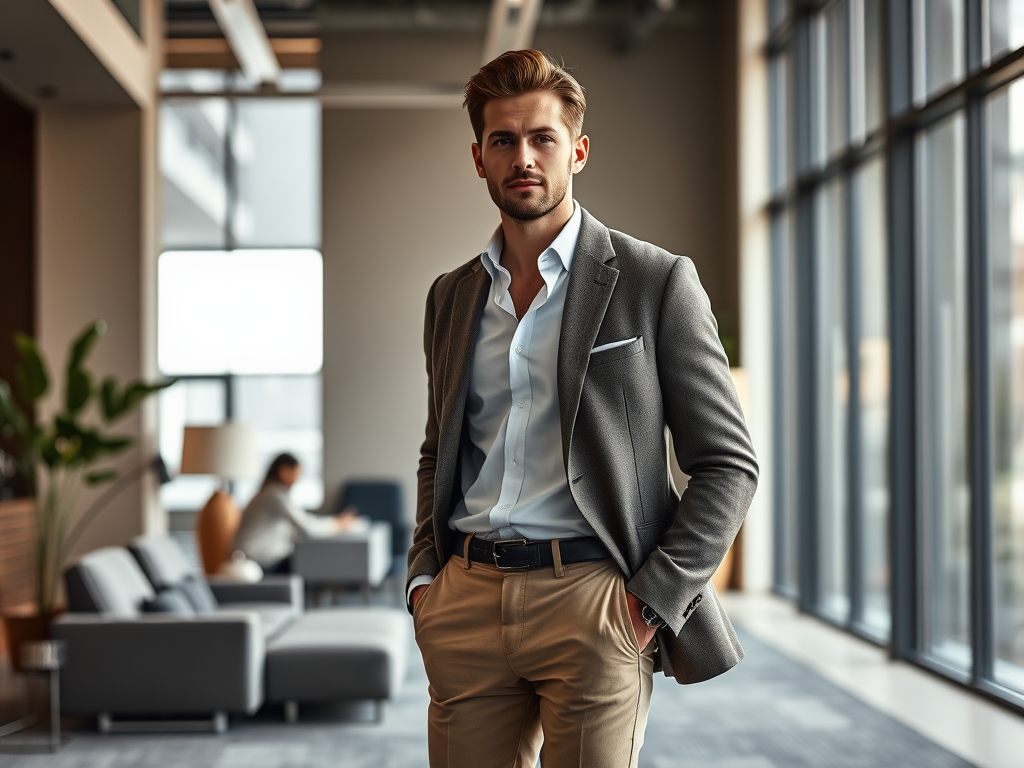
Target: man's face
[{"x": 527, "y": 155}]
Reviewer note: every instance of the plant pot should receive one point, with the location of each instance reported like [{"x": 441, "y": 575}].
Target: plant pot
[{"x": 25, "y": 626}]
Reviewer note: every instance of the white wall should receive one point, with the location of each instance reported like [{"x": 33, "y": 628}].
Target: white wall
[
  {"x": 89, "y": 267},
  {"x": 97, "y": 223},
  {"x": 402, "y": 204}
]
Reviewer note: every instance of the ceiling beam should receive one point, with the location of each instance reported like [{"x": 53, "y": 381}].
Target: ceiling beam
[
  {"x": 511, "y": 27},
  {"x": 242, "y": 27}
]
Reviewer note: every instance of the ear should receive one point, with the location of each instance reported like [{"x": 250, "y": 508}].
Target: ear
[
  {"x": 478, "y": 161},
  {"x": 580, "y": 152}
]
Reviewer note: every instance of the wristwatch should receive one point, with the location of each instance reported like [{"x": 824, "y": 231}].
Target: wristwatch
[{"x": 650, "y": 617}]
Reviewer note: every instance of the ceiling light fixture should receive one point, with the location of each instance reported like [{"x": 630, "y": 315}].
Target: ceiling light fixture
[{"x": 242, "y": 27}]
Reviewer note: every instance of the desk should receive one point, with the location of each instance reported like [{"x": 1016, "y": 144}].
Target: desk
[{"x": 362, "y": 558}]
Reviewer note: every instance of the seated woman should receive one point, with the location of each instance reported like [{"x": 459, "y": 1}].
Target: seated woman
[{"x": 271, "y": 522}]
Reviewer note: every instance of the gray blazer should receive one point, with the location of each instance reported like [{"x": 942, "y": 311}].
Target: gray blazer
[{"x": 615, "y": 406}]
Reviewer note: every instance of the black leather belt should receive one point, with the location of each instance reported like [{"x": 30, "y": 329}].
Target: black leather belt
[{"x": 519, "y": 554}]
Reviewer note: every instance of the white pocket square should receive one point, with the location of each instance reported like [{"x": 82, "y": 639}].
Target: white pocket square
[{"x": 613, "y": 345}]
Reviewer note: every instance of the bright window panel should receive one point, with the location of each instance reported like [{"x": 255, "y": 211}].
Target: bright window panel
[
  {"x": 242, "y": 312},
  {"x": 874, "y": 353},
  {"x": 941, "y": 57},
  {"x": 944, "y": 438},
  {"x": 833, "y": 380},
  {"x": 285, "y": 412},
  {"x": 788, "y": 335},
  {"x": 1006, "y": 329},
  {"x": 1006, "y": 25},
  {"x": 195, "y": 403},
  {"x": 276, "y": 147},
  {"x": 195, "y": 187}
]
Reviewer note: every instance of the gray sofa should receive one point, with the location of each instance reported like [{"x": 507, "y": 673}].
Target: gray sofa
[{"x": 188, "y": 668}]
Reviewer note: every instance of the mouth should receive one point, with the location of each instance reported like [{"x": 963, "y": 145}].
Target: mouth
[{"x": 519, "y": 184}]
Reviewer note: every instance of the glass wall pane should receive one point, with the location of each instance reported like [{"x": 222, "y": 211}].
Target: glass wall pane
[
  {"x": 833, "y": 380},
  {"x": 195, "y": 188},
  {"x": 194, "y": 403},
  {"x": 1006, "y": 26},
  {"x": 285, "y": 412},
  {"x": 941, "y": 35},
  {"x": 873, "y": 347},
  {"x": 788, "y": 381},
  {"x": 873, "y": 95},
  {"x": 1006, "y": 329},
  {"x": 778, "y": 69},
  {"x": 776, "y": 13},
  {"x": 944, "y": 433},
  {"x": 276, "y": 147},
  {"x": 835, "y": 96}
]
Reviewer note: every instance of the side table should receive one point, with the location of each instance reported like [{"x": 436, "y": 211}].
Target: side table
[{"x": 45, "y": 656}]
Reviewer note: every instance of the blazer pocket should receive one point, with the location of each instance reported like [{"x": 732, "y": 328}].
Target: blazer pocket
[{"x": 635, "y": 347}]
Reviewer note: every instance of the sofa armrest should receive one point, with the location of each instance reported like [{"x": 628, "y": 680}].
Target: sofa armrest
[
  {"x": 161, "y": 664},
  {"x": 270, "y": 589}
]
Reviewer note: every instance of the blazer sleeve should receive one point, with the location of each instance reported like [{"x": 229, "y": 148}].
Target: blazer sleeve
[
  {"x": 712, "y": 446},
  {"x": 423, "y": 558}
]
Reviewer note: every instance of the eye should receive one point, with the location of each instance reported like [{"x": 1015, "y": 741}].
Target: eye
[
  {"x": 545, "y": 139},
  {"x": 502, "y": 142}
]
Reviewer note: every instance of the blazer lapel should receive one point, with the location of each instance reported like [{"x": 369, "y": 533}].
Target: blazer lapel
[
  {"x": 463, "y": 325},
  {"x": 591, "y": 282}
]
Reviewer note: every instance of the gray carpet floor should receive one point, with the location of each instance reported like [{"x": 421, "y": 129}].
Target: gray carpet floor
[{"x": 769, "y": 712}]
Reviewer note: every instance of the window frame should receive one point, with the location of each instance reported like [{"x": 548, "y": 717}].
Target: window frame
[{"x": 904, "y": 117}]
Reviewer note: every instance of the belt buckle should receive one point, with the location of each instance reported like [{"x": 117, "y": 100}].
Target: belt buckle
[{"x": 496, "y": 554}]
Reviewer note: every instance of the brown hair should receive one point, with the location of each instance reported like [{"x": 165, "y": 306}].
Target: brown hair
[{"x": 518, "y": 72}]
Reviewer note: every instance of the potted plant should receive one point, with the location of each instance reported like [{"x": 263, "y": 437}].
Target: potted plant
[{"x": 57, "y": 457}]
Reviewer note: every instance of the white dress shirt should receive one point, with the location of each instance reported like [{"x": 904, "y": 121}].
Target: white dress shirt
[{"x": 513, "y": 477}]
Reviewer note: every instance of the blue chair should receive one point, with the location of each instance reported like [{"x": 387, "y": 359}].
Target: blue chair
[{"x": 381, "y": 500}]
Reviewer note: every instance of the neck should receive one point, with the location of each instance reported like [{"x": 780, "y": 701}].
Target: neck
[{"x": 525, "y": 241}]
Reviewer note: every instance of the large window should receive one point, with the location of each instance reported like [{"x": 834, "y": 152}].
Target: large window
[
  {"x": 240, "y": 280},
  {"x": 897, "y": 143}
]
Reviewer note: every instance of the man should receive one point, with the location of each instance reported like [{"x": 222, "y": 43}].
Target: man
[{"x": 554, "y": 567}]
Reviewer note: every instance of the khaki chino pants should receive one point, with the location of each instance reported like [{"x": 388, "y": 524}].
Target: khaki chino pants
[{"x": 520, "y": 658}]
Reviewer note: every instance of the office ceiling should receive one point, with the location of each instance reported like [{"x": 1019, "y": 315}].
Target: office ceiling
[{"x": 289, "y": 18}]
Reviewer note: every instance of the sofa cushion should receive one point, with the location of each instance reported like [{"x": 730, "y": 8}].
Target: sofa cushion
[
  {"x": 274, "y": 617},
  {"x": 334, "y": 654},
  {"x": 162, "y": 560},
  {"x": 107, "y": 581},
  {"x": 198, "y": 593},
  {"x": 170, "y": 600}
]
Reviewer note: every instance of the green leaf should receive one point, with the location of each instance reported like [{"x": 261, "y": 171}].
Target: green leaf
[
  {"x": 115, "y": 406},
  {"x": 78, "y": 387},
  {"x": 78, "y": 390},
  {"x": 101, "y": 476},
  {"x": 110, "y": 402},
  {"x": 12, "y": 419},
  {"x": 82, "y": 346},
  {"x": 33, "y": 380}
]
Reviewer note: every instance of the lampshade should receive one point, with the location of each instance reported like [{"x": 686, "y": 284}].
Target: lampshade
[{"x": 227, "y": 451}]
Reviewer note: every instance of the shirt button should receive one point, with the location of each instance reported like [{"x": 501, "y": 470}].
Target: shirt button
[
  {"x": 513, "y": 461},
  {"x": 519, "y": 349},
  {"x": 521, "y": 403},
  {"x": 505, "y": 506}
]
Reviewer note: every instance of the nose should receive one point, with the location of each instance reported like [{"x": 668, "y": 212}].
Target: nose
[{"x": 524, "y": 156}]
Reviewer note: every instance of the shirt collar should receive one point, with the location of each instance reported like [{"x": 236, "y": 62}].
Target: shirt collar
[{"x": 563, "y": 246}]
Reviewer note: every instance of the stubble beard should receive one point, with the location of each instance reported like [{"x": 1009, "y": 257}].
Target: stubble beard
[{"x": 526, "y": 209}]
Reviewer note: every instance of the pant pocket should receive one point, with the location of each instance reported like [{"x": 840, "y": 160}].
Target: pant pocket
[{"x": 626, "y": 620}]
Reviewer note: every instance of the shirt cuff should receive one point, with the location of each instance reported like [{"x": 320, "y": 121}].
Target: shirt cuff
[{"x": 419, "y": 581}]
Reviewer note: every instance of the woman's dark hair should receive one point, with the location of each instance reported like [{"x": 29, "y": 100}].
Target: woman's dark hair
[{"x": 283, "y": 460}]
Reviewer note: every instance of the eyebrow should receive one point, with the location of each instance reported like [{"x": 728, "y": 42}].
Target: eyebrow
[{"x": 505, "y": 134}]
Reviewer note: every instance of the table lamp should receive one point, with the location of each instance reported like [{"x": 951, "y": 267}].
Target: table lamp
[{"x": 229, "y": 452}]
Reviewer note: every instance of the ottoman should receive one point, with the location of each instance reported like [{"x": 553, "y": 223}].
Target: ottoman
[{"x": 339, "y": 654}]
